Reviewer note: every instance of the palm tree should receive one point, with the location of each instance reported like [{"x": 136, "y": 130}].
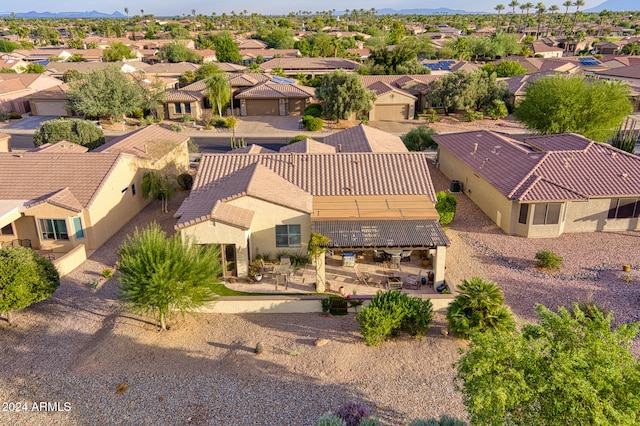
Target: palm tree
[
  {"x": 218, "y": 91},
  {"x": 577, "y": 4},
  {"x": 553, "y": 9},
  {"x": 567, "y": 4},
  {"x": 512, "y": 5},
  {"x": 540, "y": 9},
  {"x": 526, "y": 7},
  {"x": 158, "y": 187},
  {"x": 126, "y": 10},
  {"x": 499, "y": 8}
]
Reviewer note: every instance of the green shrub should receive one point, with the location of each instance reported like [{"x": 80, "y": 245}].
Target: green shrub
[
  {"x": 314, "y": 110},
  {"x": 419, "y": 139},
  {"x": 313, "y": 124},
  {"x": 14, "y": 116},
  {"x": 139, "y": 113},
  {"x": 186, "y": 118},
  {"x": 446, "y": 207},
  {"x": 230, "y": 122},
  {"x": 548, "y": 259},
  {"x": 193, "y": 146},
  {"x": 218, "y": 122},
  {"x": 107, "y": 273},
  {"x": 498, "y": 109},
  {"x": 298, "y": 138},
  {"x": 329, "y": 420},
  {"x": 82, "y": 132},
  {"x": 4, "y": 114},
  {"x": 470, "y": 115},
  {"x": 392, "y": 311},
  {"x": 176, "y": 127},
  {"x": 185, "y": 181},
  {"x": 444, "y": 420},
  {"x": 479, "y": 306}
]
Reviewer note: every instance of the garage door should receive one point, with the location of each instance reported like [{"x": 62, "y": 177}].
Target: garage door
[
  {"x": 49, "y": 108},
  {"x": 262, "y": 107},
  {"x": 296, "y": 106},
  {"x": 391, "y": 112}
]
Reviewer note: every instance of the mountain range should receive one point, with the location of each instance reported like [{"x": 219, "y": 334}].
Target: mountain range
[{"x": 91, "y": 14}]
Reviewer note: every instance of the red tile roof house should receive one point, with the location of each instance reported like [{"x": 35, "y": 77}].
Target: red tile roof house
[
  {"x": 15, "y": 89},
  {"x": 546, "y": 185},
  {"x": 272, "y": 202},
  {"x": 68, "y": 201},
  {"x": 309, "y": 66}
]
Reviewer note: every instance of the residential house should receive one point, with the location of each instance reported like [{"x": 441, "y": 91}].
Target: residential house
[
  {"x": 308, "y": 66},
  {"x": 277, "y": 96},
  {"x": 5, "y": 142},
  {"x": 250, "y": 56},
  {"x": 543, "y": 50},
  {"x": 15, "y": 89},
  {"x": 51, "y": 102},
  {"x": 250, "y": 204},
  {"x": 57, "y": 69},
  {"x": 399, "y": 96},
  {"x": 546, "y": 185},
  {"x": 83, "y": 198}
]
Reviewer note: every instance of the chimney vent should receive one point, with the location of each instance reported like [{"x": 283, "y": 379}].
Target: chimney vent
[
  {"x": 339, "y": 147},
  {"x": 475, "y": 148}
]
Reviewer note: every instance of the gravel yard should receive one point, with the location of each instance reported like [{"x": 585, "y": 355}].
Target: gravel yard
[{"x": 115, "y": 368}]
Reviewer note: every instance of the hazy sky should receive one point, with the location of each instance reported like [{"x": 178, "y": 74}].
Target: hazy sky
[{"x": 171, "y": 8}]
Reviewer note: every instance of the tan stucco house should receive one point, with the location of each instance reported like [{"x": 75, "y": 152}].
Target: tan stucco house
[
  {"x": 546, "y": 185},
  {"x": 60, "y": 197},
  {"x": 252, "y": 204}
]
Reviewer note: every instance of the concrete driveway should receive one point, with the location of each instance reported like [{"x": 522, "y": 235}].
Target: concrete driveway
[{"x": 27, "y": 124}]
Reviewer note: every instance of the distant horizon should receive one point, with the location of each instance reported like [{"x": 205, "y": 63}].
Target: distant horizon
[{"x": 273, "y": 8}]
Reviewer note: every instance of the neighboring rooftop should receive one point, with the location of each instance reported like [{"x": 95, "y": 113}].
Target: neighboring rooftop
[
  {"x": 362, "y": 138},
  {"x": 151, "y": 142}
]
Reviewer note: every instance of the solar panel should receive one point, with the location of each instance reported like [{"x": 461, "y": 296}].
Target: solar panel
[{"x": 282, "y": 80}]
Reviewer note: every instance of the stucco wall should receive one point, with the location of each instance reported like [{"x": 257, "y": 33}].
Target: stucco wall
[
  {"x": 592, "y": 215},
  {"x": 114, "y": 206},
  {"x": 491, "y": 201}
]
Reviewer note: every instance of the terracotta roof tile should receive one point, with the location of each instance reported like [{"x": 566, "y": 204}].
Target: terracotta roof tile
[
  {"x": 362, "y": 138},
  {"x": 152, "y": 142},
  {"x": 82, "y": 174},
  {"x": 331, "y": 174},
  {"x": 573, "y": 168},
  {"x": 327, "y": 64},
  {"x": 62, "y": 146},
  {"x": 252, "y": 149},
  {"x": 271, "y": 90},
  {"x": 308, "y": 145}
]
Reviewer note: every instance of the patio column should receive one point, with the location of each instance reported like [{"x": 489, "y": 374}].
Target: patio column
[
  {"x": 439, "y": 259},
  {"x": 320, "y": 274}
]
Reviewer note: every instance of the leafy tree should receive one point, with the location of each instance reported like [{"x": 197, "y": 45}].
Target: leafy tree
[
  {"x": 35, "y": 69},
  {"x": 400, "y": 60},
  {"x": 446, "y": 207},
  {"x": 154, "y": 98},
  {"x": 7, "y": 46},
  {"x": 188, "y": 77},
  {"x": 419, "y": 138},
  {"x": 118, "y": 51},
  {"x": 342, "y": 94},
  {"x": 76, "y": 57},
  {"x": 206, "y": 70},
  {"x": 506, "y": 68},
  {"x": 218, "y": 91},
  {"x": 160, "y": 274},
  {"x": 158, "y": 187},
  {"x": 88, "y": 95},
  {"x": 73, "y": 130},
  {"x": 178, "y": 52},
  {"x": 572, "y": 368},
  {"x": 25, "y": 278},
  {"x": 479, "y": 307},
  {"x": 449, "y": 91},
  {"x": 498, "y": 109},
  {"x": 226, "y": 49},
  {"x": 280, "y": 38},
  {"x": 562, "y": 104}
]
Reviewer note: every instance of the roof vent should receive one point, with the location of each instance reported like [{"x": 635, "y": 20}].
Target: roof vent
[
  {"x": 475, "y": 148},
  {"x": 624, "y": 175},
  {"x": 293, "y": 162},
  {"x": 339, "y": 147}
]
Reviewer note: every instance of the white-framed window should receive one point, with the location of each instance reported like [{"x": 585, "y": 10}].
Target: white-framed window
[
  {"x": 53, "y": 229},
  {"x": 288, "y": 236},
  {"x": 78, "y": 228}
]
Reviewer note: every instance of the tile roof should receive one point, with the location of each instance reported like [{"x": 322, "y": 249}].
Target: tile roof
[
  {"x": 271, "y": 90},
  {"x": 546, "y": 168},
  {"x": 331, "y": 174},
  {"x": 308, "y": 145},
  {"x": 362, "y": 138},
  {"x": 399, "y": 80},
  {"x": 630, "y": 71},
  {"x": 62, "y": 146},
  {"x": 212, "y": 201},
  {"x": 151, "y": 142},
  {"x": 269, "y": 53},
  {"x": 81, "y": 174},
  {"x": 252, "y": 149},
  {"x": 327, "y": 64},
  {"x": 171, "y": 68},
  {"x": 182, "y": 95},
  {"x": 55, "y": 92}
]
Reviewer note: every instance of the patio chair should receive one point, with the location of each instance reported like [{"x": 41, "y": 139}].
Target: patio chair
[
  {"x": 414, "y": 281},
  {"x": 267, "y": 268},
  {"x": 361, "y": 277},
  {"x": 285, "y": 261}
]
